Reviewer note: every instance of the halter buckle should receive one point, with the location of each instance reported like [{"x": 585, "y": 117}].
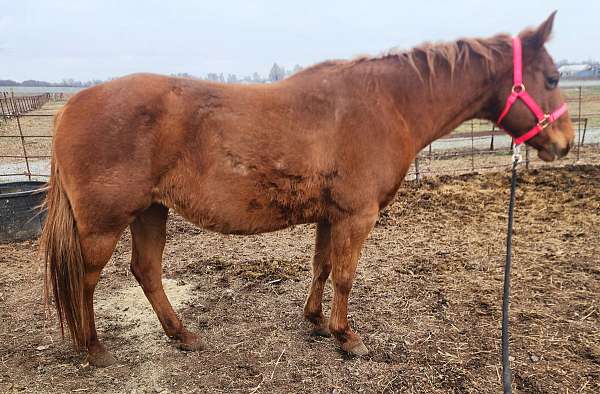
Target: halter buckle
[
  {"x": 518, "y": 88},
  {"x": 545, "y": 122},
  {"x": 516, "y": 157}
]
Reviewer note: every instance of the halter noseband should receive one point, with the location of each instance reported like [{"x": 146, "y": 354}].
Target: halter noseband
[{"x": 518, "y": 92}]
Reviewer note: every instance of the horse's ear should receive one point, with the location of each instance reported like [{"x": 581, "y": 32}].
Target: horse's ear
[{"x": 538, "y": 37}]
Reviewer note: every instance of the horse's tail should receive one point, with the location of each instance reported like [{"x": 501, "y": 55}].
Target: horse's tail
[{"x": 61, "y": 249}]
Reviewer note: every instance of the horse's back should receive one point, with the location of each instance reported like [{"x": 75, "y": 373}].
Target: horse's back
[
  {"x": 217, "y": 154},
  {"x": 231, "y": 158}
]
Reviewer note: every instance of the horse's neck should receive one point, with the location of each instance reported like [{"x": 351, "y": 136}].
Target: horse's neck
[{"x": 435, "y": 106}]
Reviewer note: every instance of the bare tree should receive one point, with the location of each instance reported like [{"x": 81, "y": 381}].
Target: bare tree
[
  {"x": 212, "y": 77},
  {"x": 231, "y": 78},
  {"x": 277, "y": 73}
]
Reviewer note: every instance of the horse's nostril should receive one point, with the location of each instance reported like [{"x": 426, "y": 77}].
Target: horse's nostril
[{"x": 563, "y": 151}]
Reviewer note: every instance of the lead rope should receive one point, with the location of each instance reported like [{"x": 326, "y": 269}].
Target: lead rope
[{"x": 506, "y": 374}]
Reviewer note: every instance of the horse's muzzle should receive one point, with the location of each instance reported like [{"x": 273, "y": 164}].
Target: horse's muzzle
[
  {"x": 554, "y": 151},
  {"x": 562, "y": 152}
]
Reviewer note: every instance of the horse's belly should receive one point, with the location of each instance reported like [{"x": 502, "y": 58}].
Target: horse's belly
[
  {"x": 245, "y": 217},
  {"x": 242, "y": 207}
]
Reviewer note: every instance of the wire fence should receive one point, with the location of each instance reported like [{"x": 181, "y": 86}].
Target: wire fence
[
  {"x": 20, "y": 145},
  {"x": 26, "y": 136},
  {"x": 11, "y": 105}
]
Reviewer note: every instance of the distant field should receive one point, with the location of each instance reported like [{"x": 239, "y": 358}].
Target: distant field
[{"x": 27, "y": 90}]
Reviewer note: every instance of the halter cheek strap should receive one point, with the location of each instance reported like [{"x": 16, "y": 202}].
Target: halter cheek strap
[{"x": 519, "y": 92}]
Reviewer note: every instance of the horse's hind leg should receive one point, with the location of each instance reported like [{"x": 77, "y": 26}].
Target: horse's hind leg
[
  {"x": 148, "y": 232},
  {"x": 313, "y": 309},
  {"x": 96, "y": 249}
]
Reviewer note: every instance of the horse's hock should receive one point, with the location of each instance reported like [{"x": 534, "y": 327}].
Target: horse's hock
[{"x": 21, "y": 217}]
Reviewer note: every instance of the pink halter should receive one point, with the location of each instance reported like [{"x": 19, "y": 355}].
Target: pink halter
[{"x": 518, "y": 92}]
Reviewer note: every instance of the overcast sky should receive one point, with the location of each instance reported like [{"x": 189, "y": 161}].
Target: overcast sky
[{"x": 81, "y": 39}]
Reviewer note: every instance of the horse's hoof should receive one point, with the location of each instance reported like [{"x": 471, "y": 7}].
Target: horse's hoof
[
  {"x": 191, "y": 347},
  {"x": 100, "y": 359},
  {"x": 190, "y": 343},
  {"x": 355, "y": 348},
  {"x": 320, "y": 331}
]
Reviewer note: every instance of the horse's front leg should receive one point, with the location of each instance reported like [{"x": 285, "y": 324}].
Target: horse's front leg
[
  {"x": 313, "y": 309},
  {"x": 347, "y": 238}
]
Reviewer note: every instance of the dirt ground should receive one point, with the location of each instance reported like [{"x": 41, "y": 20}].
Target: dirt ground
[{"x": 426, "y": 301}]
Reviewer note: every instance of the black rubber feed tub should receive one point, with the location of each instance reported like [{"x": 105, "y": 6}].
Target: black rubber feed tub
[{"x": 21, "y": 217}]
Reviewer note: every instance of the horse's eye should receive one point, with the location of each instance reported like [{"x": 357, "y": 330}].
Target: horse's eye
[{"x": 552, "y": 82}]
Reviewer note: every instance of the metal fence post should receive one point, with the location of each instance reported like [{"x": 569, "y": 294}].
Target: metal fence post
[
  {"x": 2, "y": 109},
  {"x": 472, "y": 147},
  {"x": 585, "y": 122},
  {"x": 9, "y": 105},
  {"x": 527, "y": 157},
  {"x": 17, "y": 103},
  {"x": 23, "y": 142},
  {"x": 417, "y": 173},
  {"x": 579, "y": 124}
]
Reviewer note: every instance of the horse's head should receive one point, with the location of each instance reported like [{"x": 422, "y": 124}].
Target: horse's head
[{"x": 551, "y": 137}]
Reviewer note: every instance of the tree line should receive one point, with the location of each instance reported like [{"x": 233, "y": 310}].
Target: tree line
[
  {"x": 277, "y": 73},
  {"x": 64, "y": 83}
]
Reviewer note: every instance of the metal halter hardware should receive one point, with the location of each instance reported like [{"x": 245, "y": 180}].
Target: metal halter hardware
[
  {"x": 516, "y": 157},
  {"x": 519, "y": 92}
]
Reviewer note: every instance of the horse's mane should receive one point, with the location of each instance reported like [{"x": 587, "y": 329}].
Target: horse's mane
[
  {"x": 453, "y": 54},
  {"x": 425, "y": 57}
]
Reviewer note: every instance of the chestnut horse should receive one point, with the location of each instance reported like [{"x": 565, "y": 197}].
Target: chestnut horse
[{"x": 329, "y": 145}]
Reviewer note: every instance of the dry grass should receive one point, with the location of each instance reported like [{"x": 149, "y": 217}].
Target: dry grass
[{"x": 426, "y": 301}]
